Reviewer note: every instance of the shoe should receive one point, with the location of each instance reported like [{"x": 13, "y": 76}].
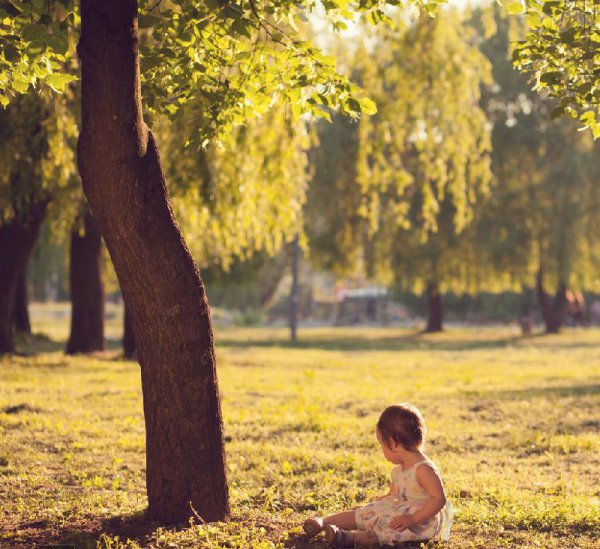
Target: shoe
[
  {"x": 312, "y": 526},
  {"x": 336, "y": 537}
]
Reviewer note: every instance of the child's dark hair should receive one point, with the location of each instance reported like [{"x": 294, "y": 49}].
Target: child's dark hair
[{"x": 402, "y": 423}]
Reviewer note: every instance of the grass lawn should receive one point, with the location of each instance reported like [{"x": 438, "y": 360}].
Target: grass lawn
[{"x": 514, "y": 425}]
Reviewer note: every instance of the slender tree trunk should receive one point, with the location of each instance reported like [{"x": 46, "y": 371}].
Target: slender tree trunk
[
  {"x": 126, "y": 189},
  {"x": 128, "y": 336},
  {"x": 17, "y": 239},
  {"x": 435, "y": 311},
  {"x": 271, "y": 279},
  {"x": 553, "y": 311},
  {"x": 295, "y": 260},
  {"x": 21, "y": 313},
  {"x": 87, "y": 290}
]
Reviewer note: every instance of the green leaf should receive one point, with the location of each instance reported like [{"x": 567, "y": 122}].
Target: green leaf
[
  {"x": 33, "y": 32},
  {"x": 367, "y": 106},
  {"x": 588, "y": 118},
  {"x": 9, "y": 9},
  {"x": 145, "y": 20},
  {"x": 58, "y": 81},
  {"x": 558, "y": 112},
  {"x": 554, "y": 77},
  {"x": 20, "y": 85},
  {"x": 515, "y": 8},
  {"x": 58, "y": 43},
  {"x": 11, "y": 53},
  {"x": 150, "y": 62}
]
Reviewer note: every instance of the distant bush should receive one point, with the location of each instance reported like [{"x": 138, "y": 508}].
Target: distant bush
[{"x": 249, "y": 317}]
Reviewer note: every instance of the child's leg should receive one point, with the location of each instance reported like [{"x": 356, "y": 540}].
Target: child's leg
[
  {"x": 363, "y": 538},
  {"x": 345, "y": 520}
]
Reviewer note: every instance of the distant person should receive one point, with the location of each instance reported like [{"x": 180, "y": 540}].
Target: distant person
[
  {"x": 526, "y": 322},
  {"x": 595, "y": 311},
  {"x": 415, "y": 507},
  {"x": 577, "y": 309}
]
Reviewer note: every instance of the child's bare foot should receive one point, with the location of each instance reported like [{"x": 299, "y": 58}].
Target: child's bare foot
[
  {"x": 312, "y": 526},
  {"x": 337, "y": 537}
]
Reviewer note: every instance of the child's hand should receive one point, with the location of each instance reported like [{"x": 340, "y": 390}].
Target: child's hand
[{"x": 402, "y": 522}]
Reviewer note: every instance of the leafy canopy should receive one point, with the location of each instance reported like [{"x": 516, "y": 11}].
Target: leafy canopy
[
  {"x": 562, "y": 49},
  {"x": 225, "y": 61}
]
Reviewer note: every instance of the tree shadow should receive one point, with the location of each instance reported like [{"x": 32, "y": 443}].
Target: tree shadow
[
  {"x": 135, "y": 527},
  {"x": 40, "y": 343},
  {"x": 417, "y": 340},
  {"x": 539, "y": 392},
  {"x": 299, "y": 541}
]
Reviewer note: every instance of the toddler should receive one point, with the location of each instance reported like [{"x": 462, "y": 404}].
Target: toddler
[{"x": 415, "y": 507}]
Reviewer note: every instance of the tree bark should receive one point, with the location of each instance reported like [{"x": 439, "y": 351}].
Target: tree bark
[
  {"x": 295, "y": 260},
  {"x": 553, "y": 311},
  {"x": 21, "y": 313},
  {"x": 87, "y": 290},
  {"x": 126, "y": 189},
  {"x": 128, "y": 335},
  {"x": 17, "y": 239},
  {"x": 435, "y": 311}
]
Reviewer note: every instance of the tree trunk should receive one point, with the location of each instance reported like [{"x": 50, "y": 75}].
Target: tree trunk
[
  {"x": 434, "y": 309},
  {"x": 126, "y": 189},
  {"x": 87, "y": 290},
  {"x": 17, "y": 239},
  {"x": 271, "y": 277},
  {"x": 295, "y": 260},
  {"x": 20, "y": 312},
  {"x": 553, "y": 311},
  {"x": 128, "y": 335}
]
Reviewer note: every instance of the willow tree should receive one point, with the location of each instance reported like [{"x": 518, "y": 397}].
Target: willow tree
[
  {"x": 243, "y": 195},
  {"x": 538, "y": 223},
  {"x": 335, "y": 228},
  {"x": 423, "y": 160},
  {"x": 227, "y": 62}
]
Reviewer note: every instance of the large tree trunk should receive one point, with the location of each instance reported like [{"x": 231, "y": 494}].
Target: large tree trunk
[
  {"x": 87, "y": 290},
  {"x": 128, "y": 335},
  {"x": 21, "y": 313},
  {"x": 553, "y": 311},
  {"x": 17, "y": 239},
  {"x": 295, "y": 260},
  {"x": 126, "y": 189},
  {"x": 435, "y": 311}
]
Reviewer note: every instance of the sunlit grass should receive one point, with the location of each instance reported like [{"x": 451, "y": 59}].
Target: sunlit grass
[{"x": 513, "y": 423}]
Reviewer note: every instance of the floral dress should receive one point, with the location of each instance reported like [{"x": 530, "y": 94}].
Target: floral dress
[{"x": 410, "y": 497}]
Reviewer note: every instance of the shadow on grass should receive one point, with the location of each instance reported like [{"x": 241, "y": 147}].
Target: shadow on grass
[
  {"x": 299, "y": 541},
  {"x": 136, "y": 527},
  {"x": 538, "y": 392},
  {"x": 361, "y": 342},
  {"x": 350, "y": 340},
  {"x": 39, "y": 343}
]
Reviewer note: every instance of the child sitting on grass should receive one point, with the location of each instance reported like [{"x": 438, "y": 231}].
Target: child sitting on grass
[{"x": 415, "y": 506}]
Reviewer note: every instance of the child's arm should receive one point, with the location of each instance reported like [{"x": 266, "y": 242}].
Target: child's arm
[{"x": 430, "y": 480}]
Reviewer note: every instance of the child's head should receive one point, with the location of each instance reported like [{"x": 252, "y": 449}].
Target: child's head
[{"x": 403, "y": 425}]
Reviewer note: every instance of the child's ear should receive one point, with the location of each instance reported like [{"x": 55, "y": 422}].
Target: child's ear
[{"x": 393, "y": 445}]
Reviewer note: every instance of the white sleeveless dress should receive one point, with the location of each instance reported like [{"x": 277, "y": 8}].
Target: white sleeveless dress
[{"x": 410, "y": 497}]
